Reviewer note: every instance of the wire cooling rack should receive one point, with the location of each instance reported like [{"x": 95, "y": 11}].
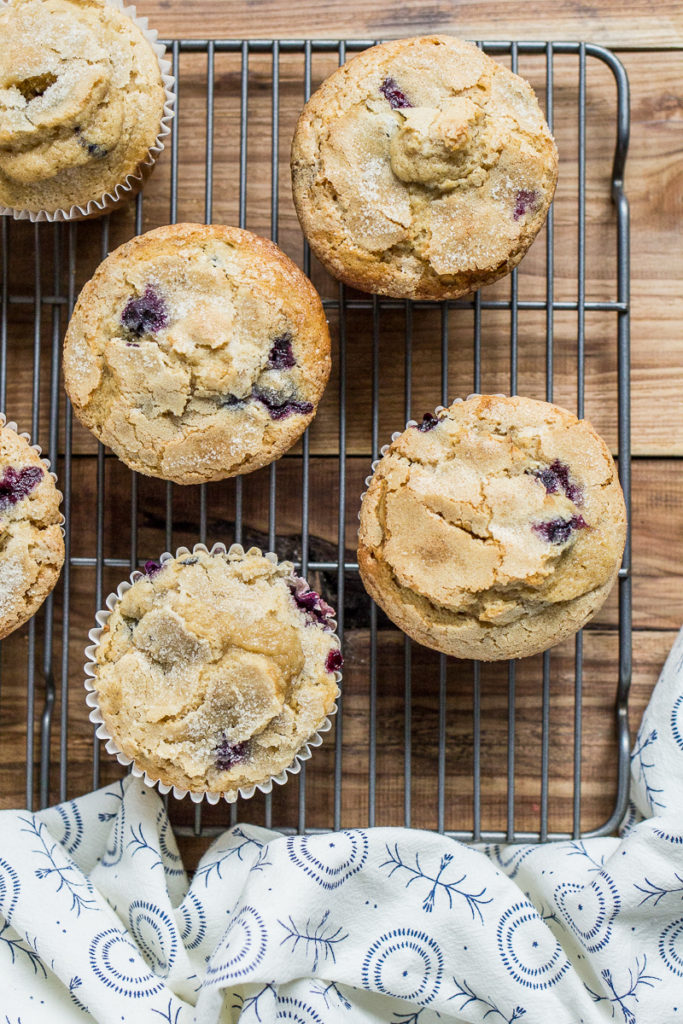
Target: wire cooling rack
[{"x": 422, "y": 740}]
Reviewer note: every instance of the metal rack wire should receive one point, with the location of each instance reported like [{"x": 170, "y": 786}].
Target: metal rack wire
[{"x": 55, "y": 640}]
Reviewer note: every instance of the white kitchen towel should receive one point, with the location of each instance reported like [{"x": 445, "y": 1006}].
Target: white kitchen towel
[{"x": 98, "y": 922}]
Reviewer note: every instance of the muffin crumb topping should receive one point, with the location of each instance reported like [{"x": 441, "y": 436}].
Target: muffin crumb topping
[
  {"x": 498, "y": 532},
  {"x": 210, "y": 676},
  {"x": 81, "y": 102}
]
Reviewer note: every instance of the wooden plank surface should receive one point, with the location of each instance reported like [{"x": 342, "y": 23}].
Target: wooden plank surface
[
  {"x": 633, "y": 23},
  {"x": 655, "y": 189}
]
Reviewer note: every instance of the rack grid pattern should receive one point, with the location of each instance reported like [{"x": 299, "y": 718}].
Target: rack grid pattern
[{"x": 51, "y": 639}]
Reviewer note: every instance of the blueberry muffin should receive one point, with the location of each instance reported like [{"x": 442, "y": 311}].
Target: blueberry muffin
[
  {"x": 422, "y": 169},
  {"x": 197, "y": 353},
  {"x": 81, "y": 103},
  {"x": 215, "y": 669},
  {"x": 31, "y": 542},
  {"x": 494, "y": 529}
]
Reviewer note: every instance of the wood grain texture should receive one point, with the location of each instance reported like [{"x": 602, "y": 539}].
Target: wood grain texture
[
  {"x": 633, "y": 23},
  {"x": 655, "y": 188}
]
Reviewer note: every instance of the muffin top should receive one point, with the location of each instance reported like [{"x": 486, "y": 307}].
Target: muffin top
[
  {"x": 31, "y": 542},
  {"x": 197, "y": 353},
  {"x": 213, "y": 670},
  {"x": 81, "y": 101},
  {"x": 496, "y": 527},
  {"x": 422, "y": 168}
]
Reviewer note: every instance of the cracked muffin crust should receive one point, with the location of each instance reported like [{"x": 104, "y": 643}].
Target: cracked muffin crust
[
  {"x": 422, "y": 169},
  {"x": 31, "y": 542},
  {"x": 215, "y": 669},
  {"x": 494, "y": 529},
  {"x": 197, "y": 353},
  {"x": 81, "y": 102}
]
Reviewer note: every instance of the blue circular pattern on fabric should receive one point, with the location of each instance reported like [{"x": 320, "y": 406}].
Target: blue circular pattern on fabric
[
  {"x": 114, "y": 852},
  {"x": 240, "y": 950},
  {"x": 330, "y": 859},
  {"x": 296, "y": 1011},
  {"x": 669, "y": 837},
  {"x": 171, "y": 861},
  {"x": 630, "y": 820},
  {"x": 10, "y": 887},
  {"x": 155, "y": 934},
  {"x": 671, "y": 947},
  {"x": 590, "y": 909},
  {"x": 512, "y": 862},
  {"x": 404, "y": 963},
  {"x": 677, "y": 721},
  {"x": 531, "y": 953},
  {"x": 73, "y": 826},
  {"x": 193, "y": 927},
  {"x": 115, "y": 961}
]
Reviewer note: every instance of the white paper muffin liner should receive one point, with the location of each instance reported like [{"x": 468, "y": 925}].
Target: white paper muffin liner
[
  {"x": 132, "y": 182},
  {"x": 92, "y": 698},
  {"x": 439, "y": 413},
  {"x": 11, "y": 425}
]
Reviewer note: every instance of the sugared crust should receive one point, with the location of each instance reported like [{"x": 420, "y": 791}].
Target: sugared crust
[
  {"x": 97, "y": 111},
  {"x": 213, "y": 649},
  {"x": 454, "y": 540},
  {"x": 31, "y": 542},
  {"x": 422, "y": 202},
  {"x": 227, "y": 294}
]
